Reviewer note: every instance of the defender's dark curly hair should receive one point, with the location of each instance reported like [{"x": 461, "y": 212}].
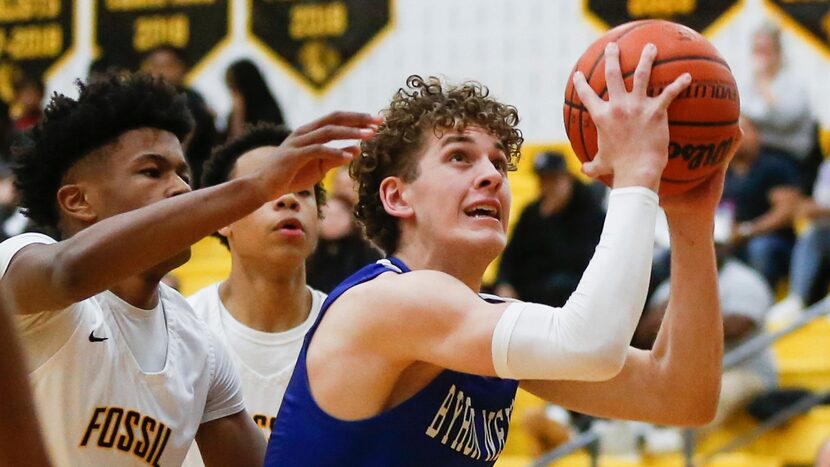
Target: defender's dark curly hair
[
  {"x": 218, "y": 167},
  {"x": 423, "y": 106},
  {"x": 73, "y": 129}
]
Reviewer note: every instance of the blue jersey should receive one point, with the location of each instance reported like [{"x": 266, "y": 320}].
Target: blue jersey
[{"x": 458, "y": 419}]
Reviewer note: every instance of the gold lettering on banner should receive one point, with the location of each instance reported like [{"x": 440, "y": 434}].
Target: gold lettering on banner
[
  {"x": 28, "y": 10},
  {"x": 151, "y": 31},
  {"x": 318, "y": 20},
  {"x": 660, "y": 8},
  {"x": 32, "y": 41},
  {"x": 134, "y": 5}
]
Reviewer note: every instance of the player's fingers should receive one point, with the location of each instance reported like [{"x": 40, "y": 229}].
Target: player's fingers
[
  {"x": 674, "y": 89},
  {"x": 332, "y": 133},
  {"x": 338, "y": 156},
  {"x": 586, "y": 93},
  {"x": 613, "y": 75},
  {"x": 643, "y": 71},
  {"x": 342, "y": 118}
]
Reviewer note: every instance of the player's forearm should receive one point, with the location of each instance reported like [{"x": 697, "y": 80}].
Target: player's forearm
[
  {"x": 135, "y": 241},
  {"x": 689, "y": 346},
  {"x": 587, "y": 338}
]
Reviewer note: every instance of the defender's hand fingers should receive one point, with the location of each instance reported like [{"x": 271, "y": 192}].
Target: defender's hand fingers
[
  {"x": 341, "y": 118},
  {"x": 586, "y": 93},
  {"x": 613, "y": 75},
  {"x": 643, "y": 71},
  {"x": 674, "y": 89},
  {"x": 332, "y": 133}
]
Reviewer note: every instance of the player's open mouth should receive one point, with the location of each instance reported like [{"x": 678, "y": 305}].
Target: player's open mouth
[{"x": 483, "y": 210}]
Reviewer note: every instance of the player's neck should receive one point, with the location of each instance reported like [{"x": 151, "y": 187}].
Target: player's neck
[
  {"x": 467, "y": 272},
  {"x": 270, "y": 302}
]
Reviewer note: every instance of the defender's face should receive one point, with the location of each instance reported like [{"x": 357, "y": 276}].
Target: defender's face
[
  {"x": 288, "y": 226},
  {"x": 461, "y": 195},
  {"x": 140, "y": 168}
]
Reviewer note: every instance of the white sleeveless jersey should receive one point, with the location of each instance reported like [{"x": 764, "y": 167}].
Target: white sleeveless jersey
[
  {"x": 96, "y": 405},
  {"x": 265, "y": 361}
]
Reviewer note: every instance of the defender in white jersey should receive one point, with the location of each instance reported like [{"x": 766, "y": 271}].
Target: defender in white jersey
[
  {"x": 262, "y": 311},
  {"x": 122, "y": 370}
]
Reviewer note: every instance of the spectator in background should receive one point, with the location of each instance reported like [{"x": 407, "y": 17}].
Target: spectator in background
[
  {"x": 762, "y": 192},
  {"x": 745, "y": 297},
  {"x": 776, "y": 101},
  {"x": 811, "y": 254},
  {"x": 554, "y": 238},
  {"x": 170, "y": 63},
  {"x": 27, "y": 108},
  {"x": 342, "y": 250},
  {"x": 252, "y": 101}
]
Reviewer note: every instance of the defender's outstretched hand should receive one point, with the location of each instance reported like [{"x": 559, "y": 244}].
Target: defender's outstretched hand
[
  {"x": 632, "y": 128},
  {"x": 303, "y": 158}
]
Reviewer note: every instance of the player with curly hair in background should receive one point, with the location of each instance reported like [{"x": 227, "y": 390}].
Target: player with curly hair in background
[
  {"x": 122, "y": 370},
  {"x": 408, "y": 365}
]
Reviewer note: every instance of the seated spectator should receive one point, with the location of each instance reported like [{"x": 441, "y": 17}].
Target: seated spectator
[
  {"x": 341, "y": 250},
  {"x": 776, "y": 100},
  {"x": 170, "y": 63},
  {"x": 762, "y": 193},
  {"x": 745, "y": 297},
  {"x": 252, "y": 100},
  {"x": 554, "y": 238},
  {"x": 811, "y": 254}
]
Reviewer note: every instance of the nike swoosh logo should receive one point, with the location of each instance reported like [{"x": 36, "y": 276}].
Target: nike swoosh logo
[{"x": 92, "y": 337}]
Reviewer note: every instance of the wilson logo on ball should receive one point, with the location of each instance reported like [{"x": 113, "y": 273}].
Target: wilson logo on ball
[{"x": 701, "y": 155}]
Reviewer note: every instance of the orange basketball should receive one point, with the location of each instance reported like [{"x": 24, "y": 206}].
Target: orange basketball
[{"x": 703, "y": 119}]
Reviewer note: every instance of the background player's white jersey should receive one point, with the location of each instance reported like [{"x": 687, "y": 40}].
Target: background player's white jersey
[
  {"x": 265, "y": 360},
  {"x": 96, "y": 405}
]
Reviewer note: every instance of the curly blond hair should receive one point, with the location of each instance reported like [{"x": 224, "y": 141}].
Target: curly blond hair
[{"x": 423, "y": 105}]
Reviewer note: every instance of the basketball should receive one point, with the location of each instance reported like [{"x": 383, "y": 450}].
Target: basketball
[{"x": 703, "y": 119}]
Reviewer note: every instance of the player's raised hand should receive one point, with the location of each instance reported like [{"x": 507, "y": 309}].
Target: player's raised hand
[
  {"x": 632, "y": 128},
  {"x": 304, "y": 157}
]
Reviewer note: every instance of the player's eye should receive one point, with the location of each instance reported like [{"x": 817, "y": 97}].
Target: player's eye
[
  {"x": 151, "y": 172},
  {"x": 500, "y": 164},
  {"x": 304, "y": 193},
  {"x": 458, "y": 157}
]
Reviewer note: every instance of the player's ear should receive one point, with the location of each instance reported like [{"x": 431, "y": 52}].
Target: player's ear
[
  {"x": 392, "y": 195},
  {"x": 74, "y": 201}
]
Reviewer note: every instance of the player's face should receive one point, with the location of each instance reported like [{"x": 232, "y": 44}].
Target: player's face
[
  {"x": 140, "y": 168},
  {"x": 461, "y": 195},
  {"x": 283, "y": 231}
]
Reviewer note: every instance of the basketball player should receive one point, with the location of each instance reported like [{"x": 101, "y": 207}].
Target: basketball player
[
  {"x": 21, "y": 442},
  {"x": 123, "y": 371},
  {"x": 407, "y": 365},
  {"x": 262, "y": 311}
]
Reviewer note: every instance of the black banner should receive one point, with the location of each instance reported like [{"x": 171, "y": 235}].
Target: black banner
[
  {"x": 696, "y": 14},
  {"x": 126, "y": 29},
  {"x": 317, "y": 38},
  {"x": 34, "y": 34},
  {"x": 813, "y": 16}
]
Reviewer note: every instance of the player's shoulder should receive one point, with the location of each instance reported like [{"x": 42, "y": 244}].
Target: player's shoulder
[
  {"x": 11, "y": 246},
  {"x": 205, "y": 301}
]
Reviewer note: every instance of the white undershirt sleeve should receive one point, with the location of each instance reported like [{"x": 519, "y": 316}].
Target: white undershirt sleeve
[{"x": 588, "y": 338}]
